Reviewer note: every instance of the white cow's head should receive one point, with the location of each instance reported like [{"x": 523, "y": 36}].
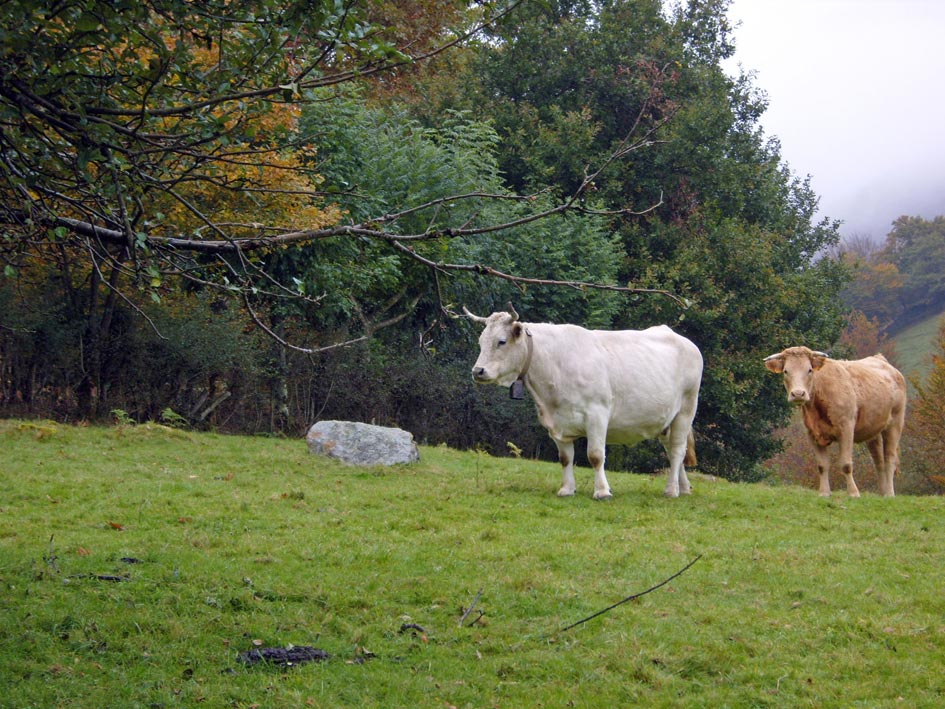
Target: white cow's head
[
  {"x": 798, "y": 365},
  {"x": 503, "y": 348}
]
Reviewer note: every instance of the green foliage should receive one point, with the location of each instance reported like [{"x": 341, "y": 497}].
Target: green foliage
[
  {"x": 715, "y": 217},
  {"x": 902, "y": 282},
  {"x": 174, "y": 419},
  {"x": 379, "y": 162},
  {"x": 422, "y": 171},
  {"x": 122, "y": 418},
  {"x": 916, "y": 247},
  {"x": 137, "y": 567},
  {"x": 568, "y": 247},
  {"x": 181, "y": 355},
  {"x": 625, "y": 101},
  {"x": 925, "y": 431},
  {"x": 915, "y": 344},
  {"x": 875, "y": 289}
]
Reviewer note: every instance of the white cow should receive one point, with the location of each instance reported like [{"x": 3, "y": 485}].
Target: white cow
[{"x": 610, "y": 386}]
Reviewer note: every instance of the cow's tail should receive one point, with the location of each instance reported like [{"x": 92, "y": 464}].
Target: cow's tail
[{"x": 690, "y": 459}]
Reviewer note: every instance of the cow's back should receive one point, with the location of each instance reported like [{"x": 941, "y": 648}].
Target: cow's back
[
  {"x": 869, "y": 391},
  {"x": 657, "y": 355},
  {"x": 642, "y": 377}
]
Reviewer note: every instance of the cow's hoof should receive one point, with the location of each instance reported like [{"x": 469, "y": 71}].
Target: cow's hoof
[
  {"x": 565, "y": 492},
  {"x": 671, "y": 493},
  {"x": 824, "y": 494},
  {"x": 605, "y": 495}
]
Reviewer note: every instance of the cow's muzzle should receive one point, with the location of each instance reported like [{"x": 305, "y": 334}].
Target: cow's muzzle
[
  {"x": 798, "y": 397},
  {"x": 479, "y": 375}
]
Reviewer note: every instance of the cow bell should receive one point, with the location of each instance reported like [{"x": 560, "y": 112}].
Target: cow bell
[{"x": 517, "y": 390}]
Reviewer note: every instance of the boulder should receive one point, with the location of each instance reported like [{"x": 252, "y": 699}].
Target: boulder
[{"x": 362, "y": 443}]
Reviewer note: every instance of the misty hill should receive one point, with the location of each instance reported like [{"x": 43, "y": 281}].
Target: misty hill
[
  {"x": 915, "y": 344},
  {"x": 901, "y": 284}
]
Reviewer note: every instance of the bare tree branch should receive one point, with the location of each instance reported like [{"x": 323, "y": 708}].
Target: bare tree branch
[{"x": 94, "y": 173}]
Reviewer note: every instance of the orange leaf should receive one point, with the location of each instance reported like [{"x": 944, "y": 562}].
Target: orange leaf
[{"x": 116, "y": 525}]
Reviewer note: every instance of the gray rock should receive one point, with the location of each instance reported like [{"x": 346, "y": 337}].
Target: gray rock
[{"x": 362, "y": 443}]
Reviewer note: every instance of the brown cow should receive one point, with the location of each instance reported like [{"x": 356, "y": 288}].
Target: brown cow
[{"x": 849, "y": 402}]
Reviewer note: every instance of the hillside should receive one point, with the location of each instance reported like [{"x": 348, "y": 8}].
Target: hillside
[
  {"x": 915, "y": 344},
  {"x": 140, "y": 563}
]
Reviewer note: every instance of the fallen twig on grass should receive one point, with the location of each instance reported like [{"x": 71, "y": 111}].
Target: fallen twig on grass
[
  {"x": 469, "y": 610},
  {"x": 635, "y": 595},
  {"x": 50, "y": 558}
]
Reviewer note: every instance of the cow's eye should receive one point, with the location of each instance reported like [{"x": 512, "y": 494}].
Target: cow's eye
[{"x": 501, "y": 342}]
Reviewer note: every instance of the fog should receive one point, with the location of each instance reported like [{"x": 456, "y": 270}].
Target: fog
[{"x": 855, "y": 91}]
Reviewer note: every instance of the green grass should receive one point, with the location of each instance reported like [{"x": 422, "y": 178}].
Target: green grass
[
  {"x": 915, "y": 344},
  {"x": 796, "y": 601}
]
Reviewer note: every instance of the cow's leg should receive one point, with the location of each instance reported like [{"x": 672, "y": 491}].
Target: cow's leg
[
  {"x": 684, "y": 487},
  {"x": 877, "y": 453},
  {"x": 674, "y": 443},
  {"x": 846, "y": 461},
  {"x": 566, "y": 457},
  {"x": 596, "y": 451},
  {"x": 891, "y": 455},
  {"x": 822, "y": 456}
]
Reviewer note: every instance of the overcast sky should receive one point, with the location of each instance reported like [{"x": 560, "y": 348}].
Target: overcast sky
[{"x": 856, "y": 92}]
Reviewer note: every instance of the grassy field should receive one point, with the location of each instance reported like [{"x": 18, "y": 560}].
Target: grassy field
[
  {"x": 137, "y": 563},
  {"x": 915, "y": 344}
]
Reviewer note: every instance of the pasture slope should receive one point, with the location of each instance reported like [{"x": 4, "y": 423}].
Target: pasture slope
[
  {"x": 915, "y": 345},
  {"x": 136, "y": 563}
]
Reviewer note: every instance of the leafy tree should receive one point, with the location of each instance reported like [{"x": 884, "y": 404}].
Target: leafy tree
[
  {"x": 189, "y": 354},
  {"x": 925, "y": 427},
  {"x": 874, "y": 289},
  {"x": 142, "y": 136},
  {"x": 422, "y": 167},
  {"x": 701, "y": 202},
  {"x": 157, "y": 150},
  {"x": 916, "y": 247},
  {"x": 864, "y": 337},
  {"x": 148, "y": 144}
]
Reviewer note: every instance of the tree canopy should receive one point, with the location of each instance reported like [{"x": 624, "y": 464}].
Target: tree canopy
[
  {"x": 733, "y": 233},
  {"x": 159, "y": 140},
  {"x": 901, "y": 280},
  {"x": 339, "y": 172}
]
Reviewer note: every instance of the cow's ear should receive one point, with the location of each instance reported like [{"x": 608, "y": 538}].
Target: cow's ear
[
  {"x": 774, "y": 363},
  {"x": 818, "y": 360},
  {"x": 517, "y": 330}
]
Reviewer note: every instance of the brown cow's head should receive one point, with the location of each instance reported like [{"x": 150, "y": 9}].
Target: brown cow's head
[
  {"x": 798, "y": 365},
  {"x": 503, "y": 352}
]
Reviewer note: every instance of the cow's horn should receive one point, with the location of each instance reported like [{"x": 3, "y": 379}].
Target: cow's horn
[
  {"x": 512, "y": 312},
  {"x": 820, "y": 354},
  {"x": 474, "y": 318},
  {"x": 771, "y": 357}
]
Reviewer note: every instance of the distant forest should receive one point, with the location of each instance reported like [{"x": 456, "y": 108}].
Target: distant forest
[{"x": 900, "y": 281}]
